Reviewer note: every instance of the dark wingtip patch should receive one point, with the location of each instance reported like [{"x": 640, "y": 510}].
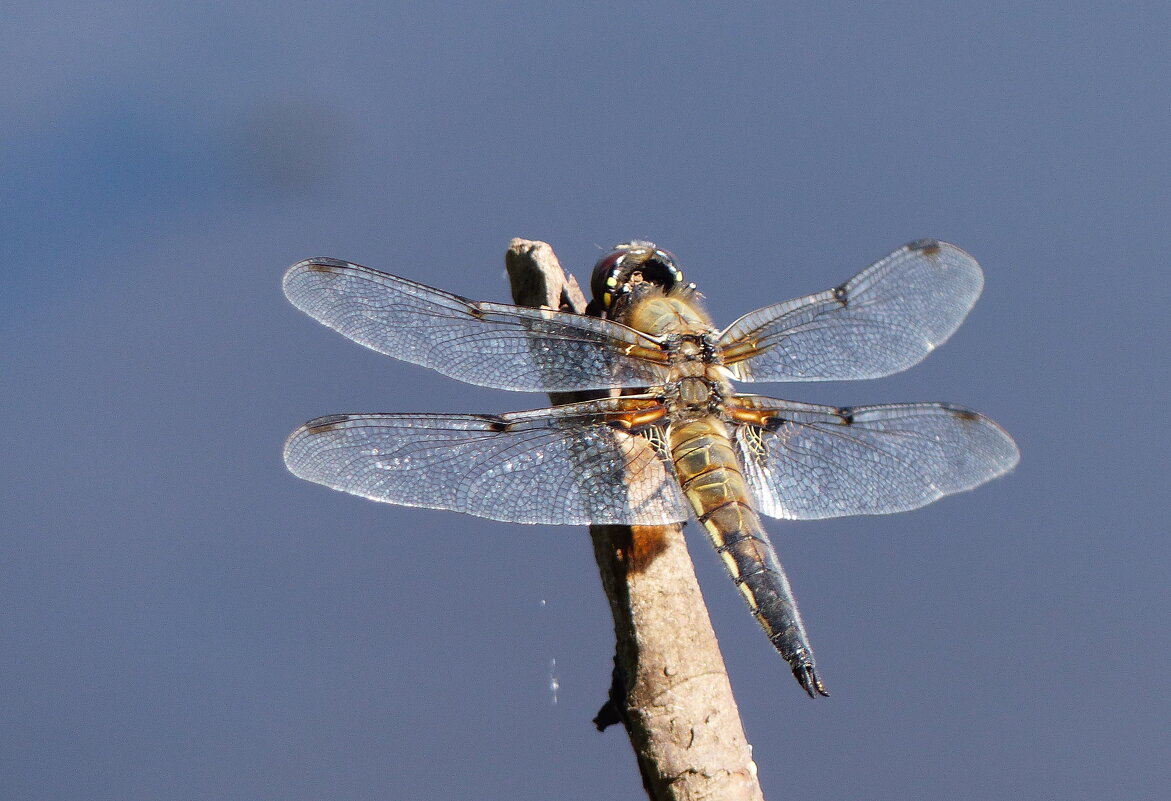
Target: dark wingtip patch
[
  {"x": 928, "y": 247},
  {"x": 323, "y": 424},
  {"x": 966, "y": 415}
]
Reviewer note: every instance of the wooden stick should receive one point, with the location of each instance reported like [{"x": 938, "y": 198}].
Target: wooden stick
[{"x": 670, "y": 687}]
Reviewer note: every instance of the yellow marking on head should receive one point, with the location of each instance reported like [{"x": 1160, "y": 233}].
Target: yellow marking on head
[{"x": 611, "y": 281}]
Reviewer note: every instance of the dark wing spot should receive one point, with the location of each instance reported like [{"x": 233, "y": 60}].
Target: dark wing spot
[
  {"x": 841, "y": 296},
  {"x": 929, "y": 247},
  {"x": 960, "y": 413},
  {"x": 846, "y": 415},
  {"x": 329, "y": 423},
  {"x": 774, "y": 423},
  {"x": 497, "y": 425},
  {"x": 475, "y": 311}
]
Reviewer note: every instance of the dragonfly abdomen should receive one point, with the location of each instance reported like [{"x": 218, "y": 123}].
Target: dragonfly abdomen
[{"x": 710, "y": 477}]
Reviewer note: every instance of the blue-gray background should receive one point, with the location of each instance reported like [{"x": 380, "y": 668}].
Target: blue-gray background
[{"x": 182, "y": 619}]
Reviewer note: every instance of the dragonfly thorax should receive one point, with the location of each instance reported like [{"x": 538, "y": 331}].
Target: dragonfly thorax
[
  {"x": 675, "y": 314},
  {"x": 695, "y": 396},
  {"x": 697, "y": 383}
]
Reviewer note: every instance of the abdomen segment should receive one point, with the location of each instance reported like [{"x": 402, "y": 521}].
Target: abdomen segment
[{"x": 711, "y": 479}]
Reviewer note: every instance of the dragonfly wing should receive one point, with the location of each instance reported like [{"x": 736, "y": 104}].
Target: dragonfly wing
[
  {"x": 883, "y": 320},
  {"x": 489, "y": 344},
  {"x": 567, "y": 464},
  {"x": 807, "y": 461}
]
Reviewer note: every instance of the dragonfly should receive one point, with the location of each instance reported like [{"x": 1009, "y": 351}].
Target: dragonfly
[{"x": 671, "y": 439}]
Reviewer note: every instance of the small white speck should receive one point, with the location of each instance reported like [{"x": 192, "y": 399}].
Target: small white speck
[{"x": 554, "y": 684}]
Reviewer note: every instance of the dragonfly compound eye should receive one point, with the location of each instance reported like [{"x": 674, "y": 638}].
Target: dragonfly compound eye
[{"x": 632, "y": 263}]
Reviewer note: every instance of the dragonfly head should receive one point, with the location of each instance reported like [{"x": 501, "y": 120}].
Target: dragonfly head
[{"x": 626, "y": 267}]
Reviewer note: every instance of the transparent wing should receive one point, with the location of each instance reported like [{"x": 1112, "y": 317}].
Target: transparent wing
[
  {"x": 559, "y": 465},
  {"x": 810, "y": 462},
  {"x": 490, "y": 344},
  {"x": 883, "y": 320}
]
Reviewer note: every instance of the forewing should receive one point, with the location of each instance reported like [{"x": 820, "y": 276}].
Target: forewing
[
  {"x": 810, "y": 462},
  {"x": 883, "y": 320},
  {"x": 490, "y": 344},
  {"x": 561, "y": 465}
]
